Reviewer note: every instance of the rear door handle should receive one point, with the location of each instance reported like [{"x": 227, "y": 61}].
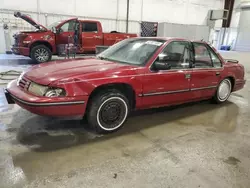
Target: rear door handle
[
  {"x": 97, "y": 37},
  {"x": 217, "y": 73}
]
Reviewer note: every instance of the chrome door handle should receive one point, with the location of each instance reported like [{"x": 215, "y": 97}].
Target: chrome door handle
[
  {"x": 97, "y": 37},
  {"x": 217, "y": 73},
  {"x": 187, "y": 76}
]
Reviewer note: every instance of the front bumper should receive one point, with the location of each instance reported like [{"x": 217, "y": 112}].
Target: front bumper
[
  {"x": 59, "y": 106},
  {"x": 8, "y": 97},
  {"x": 25, "y": 51}
]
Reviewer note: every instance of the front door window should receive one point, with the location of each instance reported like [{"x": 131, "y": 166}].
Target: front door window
[
  {"x": 177, "y": 55},
  {"x": 68, "y": 26}
]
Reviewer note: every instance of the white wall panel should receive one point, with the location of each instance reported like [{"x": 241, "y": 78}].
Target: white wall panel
[
  {"x": 173, "y": 11},
  {"x": 29, "y": 5},
  {"x": 122, "y": 9},
  {"x": 192, "y": 32},
  {"x": 243, "y": 39},
  {"x": 134, "y": 9},
  {"x": 96, "y": 8},
  {"x": 112, "y": 13},
  {"x": 57, "y": 6}
]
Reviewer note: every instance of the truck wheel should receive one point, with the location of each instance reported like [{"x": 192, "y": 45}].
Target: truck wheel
[
  {"x": 107, "y": 112},
  {"x": 223, "y": 91},
  {"x": 40, "y": 53}
]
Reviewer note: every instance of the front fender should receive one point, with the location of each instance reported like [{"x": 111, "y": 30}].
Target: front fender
[{"x": 76, "y": 86}]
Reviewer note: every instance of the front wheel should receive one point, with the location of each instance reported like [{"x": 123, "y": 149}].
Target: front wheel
[
  {"x": 40, "y": 54},
  {"x": 223, "y": 91},
  {"x": 108, "y": 112}
]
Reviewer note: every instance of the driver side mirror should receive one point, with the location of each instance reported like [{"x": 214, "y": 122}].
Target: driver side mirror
[{"x": 161, "y": 63}]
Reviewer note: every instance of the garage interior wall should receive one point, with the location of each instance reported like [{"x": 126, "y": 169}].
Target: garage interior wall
[
  {"x": 112, "y": 13},
  {"x": 237, "y": 36}
]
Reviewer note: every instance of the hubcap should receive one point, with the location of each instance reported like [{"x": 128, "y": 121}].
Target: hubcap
[
  {"x": 224, "y": 90},
  {"x": 112, "y": 113},
  {"x": 41, "y": 55}
]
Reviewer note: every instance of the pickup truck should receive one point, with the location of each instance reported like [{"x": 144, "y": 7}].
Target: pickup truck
[{"x": 81, "y": 35}]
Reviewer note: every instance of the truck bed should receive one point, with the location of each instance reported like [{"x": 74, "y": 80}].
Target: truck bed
[{"x": 112, "y": 38}]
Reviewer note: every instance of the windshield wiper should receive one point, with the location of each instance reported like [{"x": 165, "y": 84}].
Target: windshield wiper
[{"x": 102, "y": 58}]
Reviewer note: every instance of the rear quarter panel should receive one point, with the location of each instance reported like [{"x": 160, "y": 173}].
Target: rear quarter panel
[{"x": 236, "y": 71}]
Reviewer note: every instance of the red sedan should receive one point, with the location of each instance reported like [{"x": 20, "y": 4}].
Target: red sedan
[{"x": 135, "y": 73}]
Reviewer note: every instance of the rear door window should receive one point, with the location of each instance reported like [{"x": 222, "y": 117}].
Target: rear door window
[
  {"x": 205, "y": 57},
  {"x": 89, "y": 27},
  {"x": 202, "y": 56},
  {"x": 215, "y": 59}
]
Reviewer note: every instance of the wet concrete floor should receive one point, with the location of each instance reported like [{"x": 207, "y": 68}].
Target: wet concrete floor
[{"x": 193, "y": 145}]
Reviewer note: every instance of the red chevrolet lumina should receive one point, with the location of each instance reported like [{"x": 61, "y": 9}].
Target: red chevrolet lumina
[{"x": 135, "y": 73}]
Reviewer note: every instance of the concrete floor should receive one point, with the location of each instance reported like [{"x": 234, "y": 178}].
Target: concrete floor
[{"x": 194, "y": 145}]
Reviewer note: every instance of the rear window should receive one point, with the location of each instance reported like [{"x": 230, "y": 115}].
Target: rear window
[{"x": 89, "y": 27}]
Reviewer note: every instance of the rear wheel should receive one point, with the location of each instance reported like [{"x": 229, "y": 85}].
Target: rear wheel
[
  {"x": 223, "y": 91},
  {"x": 40, "y": 54},
  {"x": 107, "y": 112}
]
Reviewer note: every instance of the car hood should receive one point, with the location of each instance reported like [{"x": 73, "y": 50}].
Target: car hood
[
  {"x": 56, "y": 70},
  {"x": 29, "y": 20}
]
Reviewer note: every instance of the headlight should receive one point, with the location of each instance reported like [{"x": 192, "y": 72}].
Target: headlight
[
  {"x": 41, "y": 90},
  {"x": 54, "y": 92},
  {"x": 37, "y": 89}
]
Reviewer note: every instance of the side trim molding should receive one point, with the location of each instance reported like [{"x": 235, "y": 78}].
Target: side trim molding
[
  {"x": 176, "y": 91},
  {"x": 201, "y": 88}
]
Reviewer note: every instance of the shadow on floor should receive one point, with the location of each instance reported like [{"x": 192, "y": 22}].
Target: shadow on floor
[{"x": 48, "y": 134}]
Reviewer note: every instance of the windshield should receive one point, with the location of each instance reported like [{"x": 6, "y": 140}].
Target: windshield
[
  {"x": 54, "y": 25},
  {"x": 132, "y": 51}
]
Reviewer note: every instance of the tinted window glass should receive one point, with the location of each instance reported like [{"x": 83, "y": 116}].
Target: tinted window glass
[
  {"x": 216, "y": 61},
  {"x": 177, "y": 54},
  {"x": 202, "y": 56},
  {"x": 89, "y": 27},
  {"x": 68, "y": 26},
  {"x": 132, "y": 51}
]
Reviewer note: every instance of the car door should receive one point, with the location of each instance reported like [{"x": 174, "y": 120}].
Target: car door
[
  {"x": 66, "y": 32},
  {"x": 91, "y": 36},
  {"x": 164, "y": 87},
  {"x": 206, "y": 71}
]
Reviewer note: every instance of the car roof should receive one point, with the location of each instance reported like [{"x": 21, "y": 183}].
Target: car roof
[{"x": 172, "y": 39}]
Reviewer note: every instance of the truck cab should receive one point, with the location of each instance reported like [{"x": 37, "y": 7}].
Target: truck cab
[{"x": 83, "y": 36}]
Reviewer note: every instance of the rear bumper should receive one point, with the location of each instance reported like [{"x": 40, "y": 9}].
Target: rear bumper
[
  {"x": 25, "y": 51},
  {"x": 63, "y": 106},
  {"x": 239, "y": 85}
]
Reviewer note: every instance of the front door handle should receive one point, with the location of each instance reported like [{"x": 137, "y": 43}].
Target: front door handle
[
  {"x": 187, "y": 76},
  {"x": 97, "y": 37},
  {"x": 217, "y": 73}
]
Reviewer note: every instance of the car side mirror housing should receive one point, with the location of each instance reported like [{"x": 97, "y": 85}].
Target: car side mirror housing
[
  {"x": 162, "y": 57},
  {"x": 162, "y": 65}
]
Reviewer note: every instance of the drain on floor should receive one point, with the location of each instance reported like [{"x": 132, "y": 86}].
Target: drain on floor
[{"x": 232, "y": 161}]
